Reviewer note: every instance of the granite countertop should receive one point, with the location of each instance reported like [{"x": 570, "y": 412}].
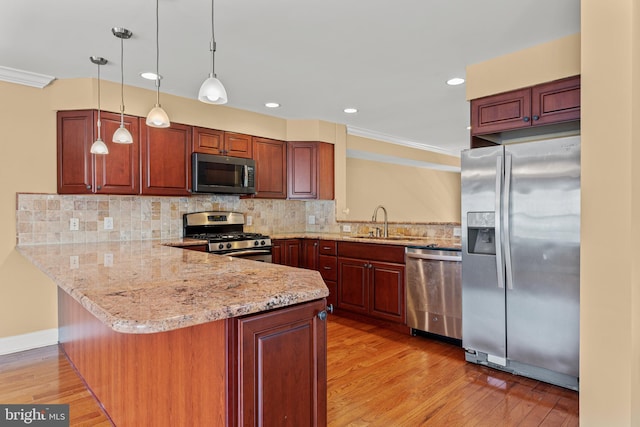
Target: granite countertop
[
  {"x": 392, "y": 240},
  {"x": 147, "y": 286}
]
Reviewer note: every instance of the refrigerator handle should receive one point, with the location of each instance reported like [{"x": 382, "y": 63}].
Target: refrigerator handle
[
  {"x": 505, "y": 218},
  {"x": 498, "y": 223}
]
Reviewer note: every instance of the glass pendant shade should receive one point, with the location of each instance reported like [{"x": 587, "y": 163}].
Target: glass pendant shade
[
  {"x": 158, "y": 118},
  {"x": 212, "y": 91},
  {"x": 122, "y": 136},
  {"x": 99, "y": 147}
]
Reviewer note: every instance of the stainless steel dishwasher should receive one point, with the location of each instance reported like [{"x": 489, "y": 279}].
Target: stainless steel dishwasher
[{"x": 434, "y": 290}]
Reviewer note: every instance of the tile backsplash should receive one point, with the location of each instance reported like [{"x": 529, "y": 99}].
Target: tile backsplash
[{"x": 46, "y": 218}]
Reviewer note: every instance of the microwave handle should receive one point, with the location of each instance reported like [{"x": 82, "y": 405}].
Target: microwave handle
[{"x": 245, "y": 176}]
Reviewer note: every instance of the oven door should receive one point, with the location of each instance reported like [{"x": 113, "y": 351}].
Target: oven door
[{"x": 262, "y": 255}]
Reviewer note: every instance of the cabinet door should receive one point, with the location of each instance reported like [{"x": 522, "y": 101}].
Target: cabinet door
[
  {"x": 166, "y": 162},
  {"x": 277, "y": 255},
  {"x": 309, "y": 251},
  {"x": 353, "y": 292},
  {"x": 302, "y": 158},
  {"x": 556, "y": 101},
  {"x": 282, "y": 367},
  {"x": 292, "y": 252},
  {"x": 333, "y": 292},
  {"x": 271, "y": 168},
  {"x": 497, "y": 113},
  {"x": 119, "y": 171},
  {"x": 386, "y": 284},
  {"x": 326, "y": 173},
  {"x": 208, "y": 141},
  {"x": 75, "y": 134},
  {"x": 237, "y": 145}
]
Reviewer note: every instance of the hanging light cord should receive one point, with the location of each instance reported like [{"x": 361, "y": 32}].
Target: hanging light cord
[
  {"x": 121, "y": 82},
  {"x": 213, "y": 44},
  {"x": 99, "y": 124},
  {"x": 157, "y": 55}
]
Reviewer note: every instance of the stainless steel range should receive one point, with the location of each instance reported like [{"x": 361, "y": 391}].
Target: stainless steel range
[{"x": 225, "y": 233}]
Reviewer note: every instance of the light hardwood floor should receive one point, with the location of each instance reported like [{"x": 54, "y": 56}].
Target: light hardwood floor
[{"x": 376, "y": 377}]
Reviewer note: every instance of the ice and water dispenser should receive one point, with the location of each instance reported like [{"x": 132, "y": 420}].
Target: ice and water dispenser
[{"x": 481, "y": 233}]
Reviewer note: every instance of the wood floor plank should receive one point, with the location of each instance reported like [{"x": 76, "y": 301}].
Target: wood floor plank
[{"x": 376, "y": 377}]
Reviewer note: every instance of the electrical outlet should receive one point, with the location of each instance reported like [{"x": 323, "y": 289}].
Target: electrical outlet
[
  {"x": 74, "y": 224},
  {"x": 249, "y": 220},
  {"x": 346, "y": 228},
  {"x": 457, "y": 232},
  {"x": 108, "y": 223},
  {"x": 312, "y": 219},
  {"x": 108, "y": 260},
  {"x": 74, "y": 261}
]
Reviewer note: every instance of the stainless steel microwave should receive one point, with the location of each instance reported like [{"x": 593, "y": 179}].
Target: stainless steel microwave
[{"x": 221, "y": 174}]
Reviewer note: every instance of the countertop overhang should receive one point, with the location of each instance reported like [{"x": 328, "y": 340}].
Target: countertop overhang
[{"x": 146, "y": 287}]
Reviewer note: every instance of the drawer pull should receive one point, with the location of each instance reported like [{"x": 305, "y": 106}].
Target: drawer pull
[{"x": 326, "y": 268}]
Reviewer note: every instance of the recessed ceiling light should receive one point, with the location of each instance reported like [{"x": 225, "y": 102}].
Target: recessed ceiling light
[
  {"x": 150, "y": 76},
  {"x": 272, "y": 105},
  {"x": 455, "y": 81},
  {"x": 350, "y": 110},
  {"x": 468, "y": 127}
]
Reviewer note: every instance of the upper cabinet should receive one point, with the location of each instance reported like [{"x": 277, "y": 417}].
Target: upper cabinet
[
  {"x": 310, "y": 170},
  {"x": 166, "y": 160},
  {"x": 270, "y": 156},
  {"x": 79, "y": 171},
  {"x": 219, "y": 143},
  {"x": 543, "y": 104}
]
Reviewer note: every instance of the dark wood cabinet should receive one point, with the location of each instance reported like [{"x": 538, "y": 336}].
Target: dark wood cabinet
[
  {"x": 166, "y": 160},
  {"x": 270, "y": 156},
  {"x": 328, "y": 268},
  {"x": 286, "y": 252},
  {"x": 553, "y": 102},
  {"x": 282, "y": 367},
  {"x": 220, "y": 143},
  {"x": 309, "y": 253},
  {"x": 310, "y": 170},
  {"x": 371, "y": 280},
  {"x": 79, "y": 171}
]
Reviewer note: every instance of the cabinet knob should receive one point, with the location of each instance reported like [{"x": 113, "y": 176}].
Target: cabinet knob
[
  {"x": 536, "y": 118},
  {"x": 330, "y": 308},
  {"x": 526, "y": 118},
  {"x": 322, "y": 315},
  {"x": 99, "y": 187},
  {"x": 89, "y": 187}
]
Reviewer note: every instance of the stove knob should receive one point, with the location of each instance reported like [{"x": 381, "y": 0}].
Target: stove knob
[
  {"x": 228, "y": 245},
  {"x": 256, "y": 243},
  {"x": 262, "y": 243},
  {"x": 220, "y": 246}
]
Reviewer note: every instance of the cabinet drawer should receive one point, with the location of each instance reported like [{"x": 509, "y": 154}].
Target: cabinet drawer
[
  {"x": 328, "y": 247},
  {"x": 372, "y": 251},
  {"x": 328, "y": 266}
]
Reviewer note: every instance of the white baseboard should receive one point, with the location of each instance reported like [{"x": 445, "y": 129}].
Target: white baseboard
[{"x": 28, "y": 341}]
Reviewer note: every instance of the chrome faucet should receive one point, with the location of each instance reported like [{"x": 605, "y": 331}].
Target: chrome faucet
[{"x": 374, "y": 218}]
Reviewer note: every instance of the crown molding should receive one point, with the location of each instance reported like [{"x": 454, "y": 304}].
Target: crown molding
[
  {"x": 400, "y": 141},
  {"x": 375, "y": 157},
  {"x": 26, "y": 78}
]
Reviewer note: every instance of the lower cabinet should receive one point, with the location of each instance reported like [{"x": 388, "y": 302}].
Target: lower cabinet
[
  {"x": 369, "y": 284},
  {"x": 286, "y": 252},
  {"x": 282, "y": 367}
]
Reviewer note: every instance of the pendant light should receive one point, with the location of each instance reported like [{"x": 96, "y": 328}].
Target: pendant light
[
  {"x": 157, "y": 117},
  {"x": 99, "y": 147},
  {"x": 122, "y": 134},
  {"x": 212, "y": 91}
]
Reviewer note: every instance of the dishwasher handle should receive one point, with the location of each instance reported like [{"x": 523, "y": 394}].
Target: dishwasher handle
[{"x": 456, "y": 258}]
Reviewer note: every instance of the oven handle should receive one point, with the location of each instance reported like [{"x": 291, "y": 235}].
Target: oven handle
[{"x": 249, "y": 252}]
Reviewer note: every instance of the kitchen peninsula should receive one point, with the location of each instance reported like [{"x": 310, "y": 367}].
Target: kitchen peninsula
[{"x": 165, "y": 336}]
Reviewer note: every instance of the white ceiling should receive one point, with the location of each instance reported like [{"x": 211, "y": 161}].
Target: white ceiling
[{"x": 390, "y": 59}]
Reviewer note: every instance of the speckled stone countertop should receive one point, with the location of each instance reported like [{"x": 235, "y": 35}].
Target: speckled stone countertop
[
  {"x": 393, "y": 240},
  {"x": 145, "y": 286}
]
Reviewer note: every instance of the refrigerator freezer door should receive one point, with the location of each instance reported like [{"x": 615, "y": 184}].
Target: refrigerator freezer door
[
  {"x": 544, "y": 232},
  {"x": 483, "y": 297}
]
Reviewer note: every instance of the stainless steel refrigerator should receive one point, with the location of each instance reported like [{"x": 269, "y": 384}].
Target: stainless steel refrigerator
[{"x": 521, "y": 258}]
